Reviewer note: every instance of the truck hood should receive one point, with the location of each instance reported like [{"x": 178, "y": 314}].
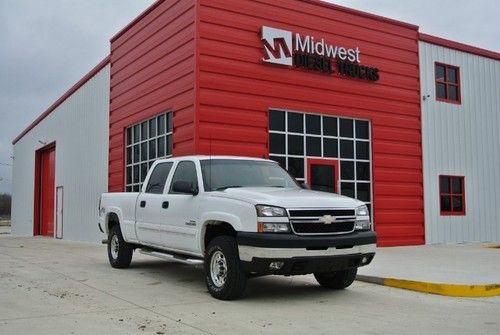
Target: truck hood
[{"x": 288, "y": 198}]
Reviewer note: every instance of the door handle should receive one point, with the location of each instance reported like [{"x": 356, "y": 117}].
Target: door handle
[
  {"x": 164, "y": 205},
  {"x": 143, "y": 204}
]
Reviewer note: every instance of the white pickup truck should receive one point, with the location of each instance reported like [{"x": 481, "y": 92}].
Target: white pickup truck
[{"x": 240, "y": 217}]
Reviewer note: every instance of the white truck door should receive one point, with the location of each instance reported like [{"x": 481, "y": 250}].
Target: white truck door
[
  {"x": 183, "y": 210},
  {"x": 152, "y": 205}
]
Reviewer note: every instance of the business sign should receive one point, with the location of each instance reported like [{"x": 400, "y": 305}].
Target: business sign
[{"x": 282, "y": 47}]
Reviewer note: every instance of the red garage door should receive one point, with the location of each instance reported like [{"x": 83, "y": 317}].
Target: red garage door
[{"x": 47, "y": 190}]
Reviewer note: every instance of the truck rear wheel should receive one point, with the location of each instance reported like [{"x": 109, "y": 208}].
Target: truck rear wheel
[
  {"x": 223, "y": 274},
  {"x": 337, "y": 280},
  {"x": 119, "y": 251}
]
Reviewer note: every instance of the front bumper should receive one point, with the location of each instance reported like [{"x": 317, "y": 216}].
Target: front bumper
[{"x": 302, "y": 255}]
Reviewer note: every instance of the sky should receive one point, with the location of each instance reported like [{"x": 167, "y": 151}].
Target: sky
[{"x": 47, "y": 46}]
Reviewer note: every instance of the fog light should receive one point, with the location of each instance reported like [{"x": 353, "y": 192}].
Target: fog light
[
  {"x": 276, "y": 265},
  {"x": 364, "y": 260}
]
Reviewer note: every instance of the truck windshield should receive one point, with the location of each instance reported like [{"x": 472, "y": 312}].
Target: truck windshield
[{"x": 220, "y": 174}]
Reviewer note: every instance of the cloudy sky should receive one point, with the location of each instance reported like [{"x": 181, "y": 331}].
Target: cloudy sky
[{"x": 47, "y": 46}]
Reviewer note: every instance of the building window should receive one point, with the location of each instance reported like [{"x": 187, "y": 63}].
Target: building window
[
  {"x": 296, "y": 137},
  {"x": 452, "y": 195},
  {"x": 447, "y": 83},
  {"x": 145, "y": 142}
]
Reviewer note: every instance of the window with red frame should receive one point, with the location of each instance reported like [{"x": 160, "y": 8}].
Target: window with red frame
[
  {"x": 447, "y": 83},
  {"x": 452, "y": 195}
]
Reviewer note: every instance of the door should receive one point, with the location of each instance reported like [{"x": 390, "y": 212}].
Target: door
[
  {"x": 152, "y": 206},
  {"x": 59, "y": 212},
  {"x": 48, "y": 164},
  {"x": 181, "y": 214},
  {"x": 322, "y": 175}
]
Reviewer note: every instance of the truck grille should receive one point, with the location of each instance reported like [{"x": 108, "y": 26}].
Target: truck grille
[{"x": 312, "y": 221}]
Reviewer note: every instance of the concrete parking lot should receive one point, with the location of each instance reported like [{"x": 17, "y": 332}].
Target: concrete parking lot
[{"x": 55, "y": 287}]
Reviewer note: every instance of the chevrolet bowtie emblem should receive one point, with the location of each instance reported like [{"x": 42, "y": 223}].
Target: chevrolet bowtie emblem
[{"x": 327, "y": 219}]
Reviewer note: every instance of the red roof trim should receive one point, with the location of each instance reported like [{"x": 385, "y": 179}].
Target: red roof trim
[
  {"x": 137, "y": 19},
  {"x": 65, "y": 96},
  {"x": 458, "y": 46},
  {"x": 361, "y": 13}
]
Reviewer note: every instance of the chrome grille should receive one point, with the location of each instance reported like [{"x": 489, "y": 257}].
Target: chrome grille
[{"x": 310, "y": 221}]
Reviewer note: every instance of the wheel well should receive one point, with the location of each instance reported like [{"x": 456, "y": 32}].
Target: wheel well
[
  {"x": 217, "y": 228},
  {"x": 112, "y": 220}
]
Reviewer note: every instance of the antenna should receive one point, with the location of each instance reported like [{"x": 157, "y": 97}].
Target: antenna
[{"x": 210, "y": 160}]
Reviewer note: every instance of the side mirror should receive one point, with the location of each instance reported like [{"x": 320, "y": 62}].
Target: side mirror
[{"x": 186, "y": 187}]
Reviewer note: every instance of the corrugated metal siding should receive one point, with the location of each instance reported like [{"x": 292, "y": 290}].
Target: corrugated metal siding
[
  {"x": 237, "y": 90},
  {"x": 153, "y": 71},
  {"x": 462, "y": 140},
  {"x": 79, "y": 127}
]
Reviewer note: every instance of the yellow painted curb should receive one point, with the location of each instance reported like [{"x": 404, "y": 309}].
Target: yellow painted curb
[
  {"x": 450, "y": 290},
  {"x": 492, "y": 246}
]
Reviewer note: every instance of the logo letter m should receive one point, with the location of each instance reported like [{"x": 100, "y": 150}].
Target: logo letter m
[{"x": 277, "y": 46}]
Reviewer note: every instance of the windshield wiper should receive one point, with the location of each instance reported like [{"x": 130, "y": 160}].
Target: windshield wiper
[{"x": 226, "y": 187}]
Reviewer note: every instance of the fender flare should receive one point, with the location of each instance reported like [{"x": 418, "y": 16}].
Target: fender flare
[
  {"x": 112, "y": 210},
  {"x": 233, "y": 220}
]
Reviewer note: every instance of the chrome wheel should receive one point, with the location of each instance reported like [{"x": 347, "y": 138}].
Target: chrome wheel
[
  {"x": 115, "y": 246},
  {"x": 218, "y": 269}
]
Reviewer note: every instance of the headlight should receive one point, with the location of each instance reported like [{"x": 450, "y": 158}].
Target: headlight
[
  {"x": 272, "y": 227},
  {"x": 362, "y": 211},
  {"x": 363, "y": 218},
  {"x": 270, "y": 211}
]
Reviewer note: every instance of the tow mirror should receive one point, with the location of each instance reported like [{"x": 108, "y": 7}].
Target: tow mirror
[{"x": 186, "y": 187}]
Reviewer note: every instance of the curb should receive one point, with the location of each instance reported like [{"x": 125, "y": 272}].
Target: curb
[{"x": 450, "y": 290}]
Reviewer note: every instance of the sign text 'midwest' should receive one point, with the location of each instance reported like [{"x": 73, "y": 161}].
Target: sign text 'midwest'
[{"x": 307, "y": 44}]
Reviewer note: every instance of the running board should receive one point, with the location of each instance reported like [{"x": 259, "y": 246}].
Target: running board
[{"x": 170, "y": 257}]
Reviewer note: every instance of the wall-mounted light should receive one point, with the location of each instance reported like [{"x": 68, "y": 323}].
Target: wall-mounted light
[{"x": 42, "y": 142}]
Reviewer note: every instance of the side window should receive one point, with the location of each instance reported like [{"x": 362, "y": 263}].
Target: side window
[
  {"x": 452, "y": 195},
  {"x": 447, "y": 83},
  {"x": 158, "y": 177},
  {"x": 186, "y": 171}
]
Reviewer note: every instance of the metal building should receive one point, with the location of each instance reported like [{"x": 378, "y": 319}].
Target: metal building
[
  {"x": 461, "y": 141},
  {"x": 61, "y": 163},
  {"x": 364, "y": 105}
]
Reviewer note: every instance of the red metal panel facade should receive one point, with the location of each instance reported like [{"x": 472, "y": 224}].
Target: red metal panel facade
[
  {"x": 236, "y": 90},
  {"x": 153, "y": 71},
  {"x": 203, "y": 60}
]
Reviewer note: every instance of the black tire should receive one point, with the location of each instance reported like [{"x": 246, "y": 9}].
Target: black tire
[
  {"x": 122, "y": 255},
  {"x": 235, "y": 279},
  {"x": 337, "y": 280}
]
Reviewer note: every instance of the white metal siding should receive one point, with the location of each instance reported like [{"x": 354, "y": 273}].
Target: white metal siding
[
  {"x": 80, "y": 128},
  {"x": 462, "y": 140}
]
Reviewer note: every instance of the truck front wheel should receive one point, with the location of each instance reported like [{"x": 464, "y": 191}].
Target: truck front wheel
[
  {"x": 223, "y": 274},
  {"x": 338, "y": 279},
  {"x": 119, "y": 251}
]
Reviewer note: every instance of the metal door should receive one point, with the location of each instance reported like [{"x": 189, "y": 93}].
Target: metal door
[{"x": 47, "y": 192}]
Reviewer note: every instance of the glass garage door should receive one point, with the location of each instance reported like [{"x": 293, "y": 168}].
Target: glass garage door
[{"x": 305, "y": 143}]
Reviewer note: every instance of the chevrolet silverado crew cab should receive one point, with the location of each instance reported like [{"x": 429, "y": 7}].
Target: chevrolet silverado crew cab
[{"x": 240, "y": 217}]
